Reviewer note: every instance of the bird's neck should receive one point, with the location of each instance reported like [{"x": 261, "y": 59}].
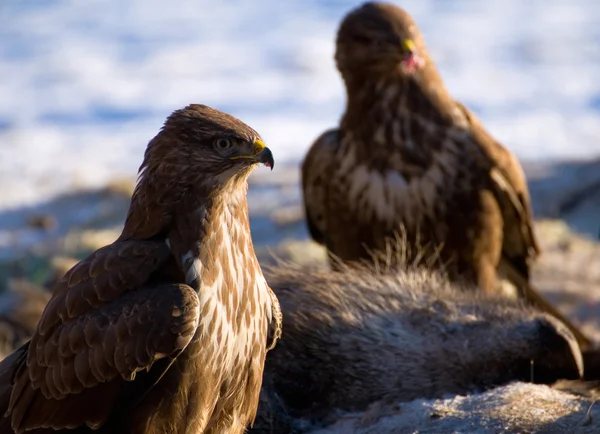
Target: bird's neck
[
  {"x": 150, "y": 210},
  {"x": 211, "y": 243},
  {"x": 208, "y": 231},
  {"x": 394, "y": 110},
  {"x": 209, "y": 237},
  {"x": 397, "y": 93}
]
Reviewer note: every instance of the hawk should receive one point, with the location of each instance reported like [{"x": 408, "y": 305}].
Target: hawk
[
  {"x": 408, "y": 157},
  {"x": 166, "y": 329}
]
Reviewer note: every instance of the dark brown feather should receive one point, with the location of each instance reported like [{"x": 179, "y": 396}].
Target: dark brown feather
[{"x": 315, "y": 169}]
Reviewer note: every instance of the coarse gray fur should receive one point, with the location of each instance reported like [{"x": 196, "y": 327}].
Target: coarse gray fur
[{"x": 354, "y": 337}]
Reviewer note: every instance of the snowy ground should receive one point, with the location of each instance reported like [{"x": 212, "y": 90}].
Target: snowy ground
[{"x": 85, "y": 84}]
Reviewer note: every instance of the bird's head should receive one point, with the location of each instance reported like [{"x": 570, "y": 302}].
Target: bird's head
[
  {"x": 199, "y": 144},
  {"x": 200, "y": 152},
  {"x": 379, "y": 39}
]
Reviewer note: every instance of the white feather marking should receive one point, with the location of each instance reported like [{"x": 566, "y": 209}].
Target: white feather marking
[
  {"x": 376, "y": 191},
  {"x": 347, "y": 161},
  {"x": 194, "y": 267},
  {"x": 395, "y": 181},
  {"x": 397, "y": 188},
  {"x": 460, "y": 120},
  {"x": 372, "y": 190},
  {"x": 391, "y": 197},
  {"x": 359, "y": 179},
  {"x": 224, "y": 176},
  {"x": 235, "y": 343},
  {"x": 186, "y": 257}
]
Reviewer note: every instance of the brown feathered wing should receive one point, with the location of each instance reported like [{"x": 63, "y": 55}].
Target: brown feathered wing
[
  {"x": 520, "y": 246},
  {"x": 103, "y": 324},
  {"x": 316, "y": 173}
]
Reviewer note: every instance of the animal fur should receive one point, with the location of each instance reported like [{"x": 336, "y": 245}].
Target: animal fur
[{"x": 355, "y": 337}]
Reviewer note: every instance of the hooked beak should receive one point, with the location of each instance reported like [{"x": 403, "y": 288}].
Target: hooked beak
[
  {"x": 266, "y": 157},
  {"x": 411, "y": 60},
  {"x": 262, "y": 154}
]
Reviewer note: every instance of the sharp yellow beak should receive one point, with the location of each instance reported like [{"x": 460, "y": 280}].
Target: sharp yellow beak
[{"x": 409, "y": 45}]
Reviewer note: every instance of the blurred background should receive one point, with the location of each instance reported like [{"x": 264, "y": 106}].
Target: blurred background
[{"x": 85, "y": 84}]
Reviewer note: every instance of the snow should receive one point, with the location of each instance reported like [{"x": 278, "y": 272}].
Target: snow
[{"x": 85, "y": 84}]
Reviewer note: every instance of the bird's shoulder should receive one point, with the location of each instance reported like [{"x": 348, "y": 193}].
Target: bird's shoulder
[
  {"x": 316, "y": 174},
  {"x": 320, "y": 153},
  {"x": 499, "y": 157},
  {"x": 101, "y": 278}
]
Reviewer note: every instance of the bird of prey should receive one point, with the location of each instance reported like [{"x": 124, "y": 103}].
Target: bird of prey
[
  {"x": 408, "y": 158},
  {"x": 166, "y": 329}
]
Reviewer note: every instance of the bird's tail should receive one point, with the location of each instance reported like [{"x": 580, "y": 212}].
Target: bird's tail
[{"x": 533, "y": 297}]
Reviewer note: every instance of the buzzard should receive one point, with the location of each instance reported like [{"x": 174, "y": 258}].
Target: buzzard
[
  {"x": 166, "y": 329},
  {"x": 408, "y": 157}
]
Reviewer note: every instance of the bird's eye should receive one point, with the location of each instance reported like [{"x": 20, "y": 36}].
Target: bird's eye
[{"x": 222, "y": 143}]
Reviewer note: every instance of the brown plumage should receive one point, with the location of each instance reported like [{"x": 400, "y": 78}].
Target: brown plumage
[
  {"x": 166, "y": 329},
  {"x": 408, "y": 157}
]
